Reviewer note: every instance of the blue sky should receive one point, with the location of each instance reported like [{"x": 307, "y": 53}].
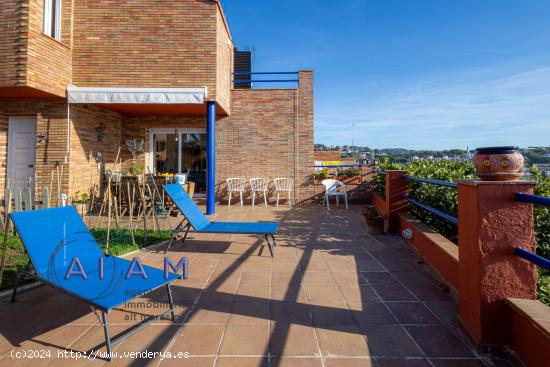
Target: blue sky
[{"x": 417, "y": 74}]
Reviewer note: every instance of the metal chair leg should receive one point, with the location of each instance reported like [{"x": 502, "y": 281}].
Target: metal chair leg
[
  {"x": 229, "y": 201},
  {"x": 253, "y": 197},
  {"x": 289, "y": 203},
  {"x": 241, "y": 194},
  {"x": 278, "y": 199},
  {"x": 346, "y": 199},
  {"x": 171, "y": 302},
  {"x": 105, "y": 317},
  {"x": 269, "y": 245},
  {"x": 14, "y": 293},
  {"x": 273, "y": 240},
  {"x": 265, "y": 198}
]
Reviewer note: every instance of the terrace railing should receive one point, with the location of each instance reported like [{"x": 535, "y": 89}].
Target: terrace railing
[
  {"x": 428, "y": 208},
  {"x": 527, "y": 255},
  {"x": 247, "y": 79}
]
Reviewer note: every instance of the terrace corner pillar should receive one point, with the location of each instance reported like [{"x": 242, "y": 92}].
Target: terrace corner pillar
[
  {"x": 396, "y": 187},
  {"x": 491, "y": 225},
  {"x": 210, "y": 157}
]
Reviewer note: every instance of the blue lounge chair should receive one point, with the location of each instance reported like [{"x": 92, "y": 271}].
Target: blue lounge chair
[
  {"x": 53, "y": 238},
  {"x": 196, "y": 219}
]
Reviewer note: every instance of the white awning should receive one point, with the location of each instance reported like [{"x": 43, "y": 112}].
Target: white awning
[{"x": 136, "y": 95}]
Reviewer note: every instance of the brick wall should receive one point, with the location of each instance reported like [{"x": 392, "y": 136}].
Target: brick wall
[
  {"x": 139, "y": 43},
  {"x": 51, "y": 118},
  {"x": 13, "y": 42},
  {"x": 269, "y": 134},
  {"x": 28, "y": 57},
  {"x": 224, "y": 62},
  {"x": 49, "y": 62},
  {"x": 84, "y": 171}
]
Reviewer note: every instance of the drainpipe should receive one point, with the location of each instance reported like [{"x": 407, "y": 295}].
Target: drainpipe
[
  {"x": 68, "y": 132},
  {"x": 210, "y": 157}
]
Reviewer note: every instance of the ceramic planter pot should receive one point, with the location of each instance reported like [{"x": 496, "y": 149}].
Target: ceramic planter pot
[{"x": 498, "y": 163}]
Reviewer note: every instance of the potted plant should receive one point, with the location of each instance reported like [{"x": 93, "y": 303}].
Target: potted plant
[
  {"x": 350, "y": 175},
  {"x": 374, "y": 221},
  {"x": 80, "y": 200},
  {"x": 498, "y": 163},
  {"x": 321, "y": 175},
  {"x": 136, "y": 169}
]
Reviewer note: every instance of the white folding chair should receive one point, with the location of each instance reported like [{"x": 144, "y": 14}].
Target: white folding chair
[
  {"x": 335, "y": 188},
  {"x": 259, "y": 184},
  {"x": 283, "y": 185},
  {"x": 235, "y": 184}
]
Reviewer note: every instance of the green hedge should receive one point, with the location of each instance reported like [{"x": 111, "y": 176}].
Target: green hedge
[{"x": 444, "y": 199}]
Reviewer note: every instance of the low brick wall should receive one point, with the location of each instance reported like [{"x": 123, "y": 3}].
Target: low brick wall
[
  {"x": 440, "y": 253},
  {"x": 529, "y": 331}
]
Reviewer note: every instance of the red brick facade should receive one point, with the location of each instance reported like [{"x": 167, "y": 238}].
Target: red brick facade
[{"x": 139, "y": 43}]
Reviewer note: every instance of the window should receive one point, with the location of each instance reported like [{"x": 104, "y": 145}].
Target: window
[{"x": 52, "y": 18}]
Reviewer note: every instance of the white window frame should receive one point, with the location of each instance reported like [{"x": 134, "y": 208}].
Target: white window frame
[{"x": 49, "y": 29}]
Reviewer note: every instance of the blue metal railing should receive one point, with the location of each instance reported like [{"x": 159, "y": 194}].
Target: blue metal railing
[
  {"x": 527, "y": 255},
  {"x": 431, "y": 181},
  {"x": 338, "y": 166},
  {"x": 533, "y": 258},
  {"x": 533, "y": 199},
  {"x": 432, "y": 210},
  {"x": 250, "y": 74}
]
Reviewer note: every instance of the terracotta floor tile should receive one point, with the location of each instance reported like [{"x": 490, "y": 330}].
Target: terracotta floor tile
[
  {"x": 393, "y": 292},
  {"x": 349, "y": 362},
  {"x": 255, "y": 312},
  {"x": 242, "y": 362},
  {"x": 255, "y": 279},
  {"x": 291, "y": 293},
  {"x": 386, "y": 340},
  {"x": 328, "y": 315},
  {"x": 458, "y": 363},
  {"x": 438, "y": 341},
  {"x": 291, "y": 312},
  {"x": 251, "y": 294},
  {"x": 296, "y": 362},
  {"x": 198, "y": 339},
  {"x": 216, "y": 314},
  {"x": 343, "y": 278},
  {"x": 344, "y": 340},
  {"x": 293, "y": 340},
  {"x": 357, "y": 296},
  {"x": 314, "y": 278},
  {"x": 190, "y": 362},
  {"x": 402, "y": 362},
  {"x": 412, "y": 313},
  {"x": 250, "y": 339},
  {"x": 374, "y": 313},
  {"x": 325, "y": 295}
]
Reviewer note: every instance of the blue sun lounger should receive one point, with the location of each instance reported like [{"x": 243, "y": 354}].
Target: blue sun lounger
[
  {"x": 196, "y": 219},
  {"x": 54, "y": 238}
]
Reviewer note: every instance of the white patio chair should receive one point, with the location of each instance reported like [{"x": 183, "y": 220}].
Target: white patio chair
[
  {"x": 235, "y": 184},
  {"x": 283, "y": 185},
  {"x": 259, "y": 184},
  {"x": 332, "y": 189}
]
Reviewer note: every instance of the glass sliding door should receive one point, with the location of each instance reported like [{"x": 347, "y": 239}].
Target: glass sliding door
[
  {"x": 193, "y": 159},
  {"x": 165, "y": 153},
  {"x": 180, "y": 151}
]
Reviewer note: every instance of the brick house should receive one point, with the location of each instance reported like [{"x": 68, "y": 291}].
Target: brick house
[{"x": 79, "y": 78}]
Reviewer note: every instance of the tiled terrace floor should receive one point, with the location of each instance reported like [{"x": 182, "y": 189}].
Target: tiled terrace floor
[{"x": 332, "y": 296}]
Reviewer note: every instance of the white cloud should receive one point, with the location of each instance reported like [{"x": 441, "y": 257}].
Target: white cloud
[{"x": 480, "y": 107}]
